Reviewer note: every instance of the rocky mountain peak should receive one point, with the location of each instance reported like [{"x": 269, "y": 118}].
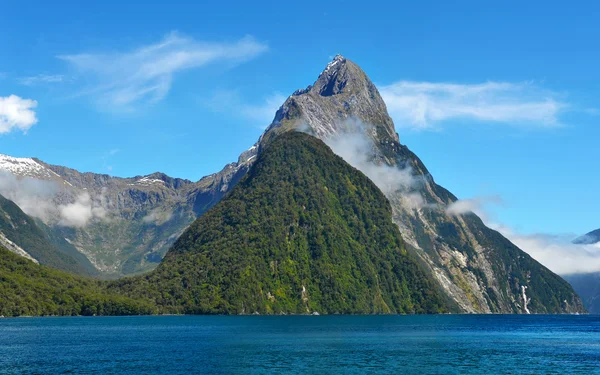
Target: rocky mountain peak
[{"x": 341, "y": 94}]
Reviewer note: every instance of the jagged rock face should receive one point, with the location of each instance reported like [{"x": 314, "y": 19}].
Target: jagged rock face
[
  {"x": 342, "y": 92},
  {"x": 130, "y": 223},
  {"x": 479, "y": 268}
]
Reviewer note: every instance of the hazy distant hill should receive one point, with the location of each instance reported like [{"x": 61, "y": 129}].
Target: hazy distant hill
[{"x": 587, "y": 285}]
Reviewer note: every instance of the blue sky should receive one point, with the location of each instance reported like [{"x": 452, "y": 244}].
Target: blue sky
[{"x": 499, "y": 100}]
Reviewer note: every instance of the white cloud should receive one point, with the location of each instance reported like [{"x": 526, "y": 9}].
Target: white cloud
[
  {"x": 473, "y": 205},
  {"x": 425, "y": 105},
  {"x": 557, "y": 252},
  {"x": 157, "y": 217},
  {"x": 357, "y": 149},
  {"x": 16, "y": 113},
  {"x": 33, "y": 196},
  {"x": 145, "y": 75},
  {"x": 42, "y": 79},
  {"x": 44, "y": 199},
  {"x": 79, "y": 213}
]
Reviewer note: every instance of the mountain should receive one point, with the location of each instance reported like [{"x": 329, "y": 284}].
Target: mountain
[
  {"x": 132, "y": 222},
  {"x": 302, "y": 232},
  {"x": 25, "y": 236},
  {"x": 121, "y": 225},
  {"x": 587, "y": 285},
  {"x": 28, "y": 289},
  {"x": 477, "y": 267},
  {"x": 590, "y": 238}
]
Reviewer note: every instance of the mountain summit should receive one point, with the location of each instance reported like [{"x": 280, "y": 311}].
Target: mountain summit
[
  {"x": 343, "y": 92},
  {"x": 477, "y": 267}
]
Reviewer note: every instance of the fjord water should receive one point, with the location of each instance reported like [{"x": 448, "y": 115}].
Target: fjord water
[{"x": 442, "y": 344}]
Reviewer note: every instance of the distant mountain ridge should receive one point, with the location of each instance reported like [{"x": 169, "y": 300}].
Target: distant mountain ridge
[
  {"x": 587, "y": 285},
  {"x": 133, "y": 221},
  {"x": 590, "y": 238}
]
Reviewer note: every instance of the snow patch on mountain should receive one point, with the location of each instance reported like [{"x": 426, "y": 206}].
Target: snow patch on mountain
[
  {"x": 25, "y": 167},
  {"x": 149, "y": 181}
]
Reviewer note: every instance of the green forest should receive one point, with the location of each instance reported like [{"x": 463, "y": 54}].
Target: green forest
[{"x": 303, "y": 232}]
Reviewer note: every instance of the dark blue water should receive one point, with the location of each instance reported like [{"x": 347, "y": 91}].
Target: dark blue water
[{"x": 302, "y": 344}]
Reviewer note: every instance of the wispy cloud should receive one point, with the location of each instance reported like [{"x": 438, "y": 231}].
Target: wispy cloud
[
  {"x": 259, "y": 112},
  {"x": 427, "y": 105},
  {"x": 145, "y": 74},
  {"x": 16, "y": 113},
  {"x": 42, "y": 79}
]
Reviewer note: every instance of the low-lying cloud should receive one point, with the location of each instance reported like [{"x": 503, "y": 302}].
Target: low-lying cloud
[
  {"x": 16, "y": 113},
  {"x": 79, "y": 213},
  {"x": 157, "y": 217},
  {"x": 357, "y": 149},
  {"x": 473, "y": 205},
  {"x": 40, "y": 198},
  {"x": 426, "y": 105},
  {"x": 557, "y": 252},
  {"x": 33, "y": 196}
]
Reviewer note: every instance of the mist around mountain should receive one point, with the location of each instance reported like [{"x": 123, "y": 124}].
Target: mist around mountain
[
  {"x": 477, "y": 267},
  {"x": 590, "y": 238},
  {"x": 125, "y": 226},
  {"x": 32, "y": 239},
  {"x": 587, "y": 285}
]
